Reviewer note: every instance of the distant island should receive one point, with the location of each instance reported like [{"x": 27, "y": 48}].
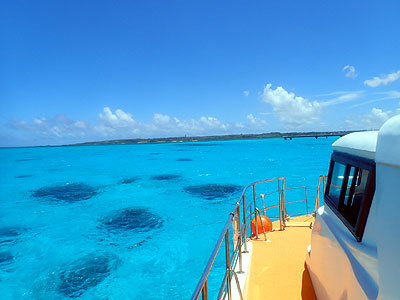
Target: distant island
[{"x": 230, "y": 137}]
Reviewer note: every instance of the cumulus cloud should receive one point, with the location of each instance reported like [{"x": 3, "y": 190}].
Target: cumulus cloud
[
  {"x": 252, "y": 118},
  {"x": 297, "y": 111},
  {"x": 256, "y": 122},
  {"x": 161, "y": 119},
  {"x": 374, "y": 119},
  {"x": 246, "y": 93},
  {"x": 167, "y": 126},
  {"x": 383, "y": 79},
  {"x": 60, "y": 126},
  {"x": 116, "y": 120},
  {"x": 119, "y": 124},
  {"x": 39, "y": 121},
  {"x": 377, "y": 117},
  {"x": 291, "y": 109},
  {"x": 350, "y": 71}
]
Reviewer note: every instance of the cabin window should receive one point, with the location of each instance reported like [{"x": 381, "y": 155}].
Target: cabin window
[
  {"x": 336, "y": 183},
  {"x": 351, "y": 184}
]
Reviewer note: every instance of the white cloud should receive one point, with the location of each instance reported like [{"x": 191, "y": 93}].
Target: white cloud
[
  {"x": 119, "y": 124},
  {"x": 374, "y": 119},
  {"x": 167, "y": 126},
  {"x": 252, "y": 119},
  {"x": 383, "y": 79},
  {"x": 211, "y": 122},
  {"x": 391, "y": 94},
  {"x": 60, "y": 127},
  {"x": 80, "y": 124},
  {"x": 388, "y": 95},
  {"x": 39, "y": 121},
  {"x": 256, "y": 123},
  {"x": 291, "y": 109},
  {"x": 246, "y": 93},
  {"x": 295, "y": 111},
  {"x": 116, "y": 120},
  {"x": 350, "y": 71},
  {"x": 344, "y": 97}
]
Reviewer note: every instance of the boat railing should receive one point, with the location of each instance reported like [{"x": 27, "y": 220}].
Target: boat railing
[
  {"x": 322, "y": 180},
  {"x": 235, "y": 233}
]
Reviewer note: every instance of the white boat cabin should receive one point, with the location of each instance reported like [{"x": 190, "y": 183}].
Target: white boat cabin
[{"x": 355, "y": 244}]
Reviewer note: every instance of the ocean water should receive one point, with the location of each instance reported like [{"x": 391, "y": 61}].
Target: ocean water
[{"x": 129, "y": 221}]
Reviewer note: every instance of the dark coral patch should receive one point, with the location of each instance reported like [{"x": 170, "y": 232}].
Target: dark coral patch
[
  {"x": 132, "y": 219},
  {"x": 85, "y": 273},
  {"x": 9, "y": 235},
  {"x": 213, "y": 191},
  {"x": 129, "y": 180},
  {"x": 184, "y": 159},
  {"x": 24, "y": 176},
  {"x": 166, "y": 177},
  {"x": 68, "y": 193},
  {"x": 201, "y": 145},
  {"x": 25, "y": 159},
  {"x": 7, "y": 232},
  {"x": 6, "y": 257}
]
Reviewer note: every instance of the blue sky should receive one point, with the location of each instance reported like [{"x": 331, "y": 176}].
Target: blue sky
[{"x": 74, "y": 71}]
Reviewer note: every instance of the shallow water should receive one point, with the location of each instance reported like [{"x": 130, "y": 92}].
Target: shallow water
[{"x": 129, "y": 221}]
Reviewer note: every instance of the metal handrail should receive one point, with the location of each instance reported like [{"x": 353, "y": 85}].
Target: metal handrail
[
  {"x": 317, "y": 199},
  {"x": 201, "y": 287},
  {"x": 264, "y": 209},
  {"x": 222, "y": 289}
]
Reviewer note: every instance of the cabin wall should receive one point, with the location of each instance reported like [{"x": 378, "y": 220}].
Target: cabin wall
[
  {"x": 339, "y": 266},
  {"x": 369, "y": 244},
  {"x": 388, "y": 208}
]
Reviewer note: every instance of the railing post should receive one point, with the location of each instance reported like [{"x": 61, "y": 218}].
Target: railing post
[
  {"x": 255, "y": 209},
  {"x": 238, "y": 285},
  {"x": 306, "y": 200},
  {"x": 244, "y": 224},
  {"x": 239, "y": 239},
  {"x": 280, "y": 205},
  {"x": 283, "y": 201},
  {"x": 204, "y": 294},
  {"x": 262, "y": 224},
  {"x": 263, "y": 199},
  {"x": 228, "y": 263},
  {"x": 317, "y": 198}
]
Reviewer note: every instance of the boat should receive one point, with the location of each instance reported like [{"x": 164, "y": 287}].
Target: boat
[{"x": 347, "y": 248}]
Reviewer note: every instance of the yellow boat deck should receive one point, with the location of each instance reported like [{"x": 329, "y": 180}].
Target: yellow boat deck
[{"x": 277, "y": 268}]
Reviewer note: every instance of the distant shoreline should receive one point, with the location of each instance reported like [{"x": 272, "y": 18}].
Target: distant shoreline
[{"x": 230, "y": 137}]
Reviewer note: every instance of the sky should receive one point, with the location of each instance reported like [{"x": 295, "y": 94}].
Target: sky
[{"x": 76, "y": 71}]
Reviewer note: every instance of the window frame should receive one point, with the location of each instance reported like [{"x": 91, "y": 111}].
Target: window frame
[{"x": 356, "y": 162}]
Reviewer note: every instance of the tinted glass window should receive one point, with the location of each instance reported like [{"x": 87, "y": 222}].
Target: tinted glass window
[
  {"x": 351, "y": 184},
  {"x": 353, "y": 200},
  {"x": 336, "y": 183},
  {"x": 352, "y": 181}
]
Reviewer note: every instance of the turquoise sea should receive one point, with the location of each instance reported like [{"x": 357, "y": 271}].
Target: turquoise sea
[{"x": 130, "y": 221}]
